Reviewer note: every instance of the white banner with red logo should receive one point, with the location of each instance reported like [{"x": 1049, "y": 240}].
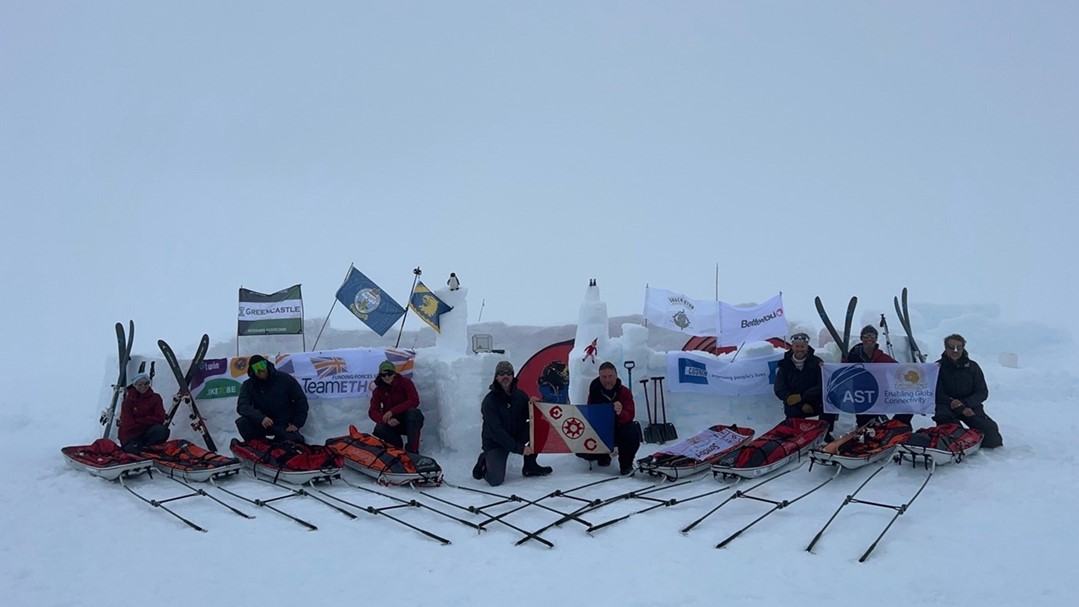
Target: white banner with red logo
[{"x": 739, "y": 325}]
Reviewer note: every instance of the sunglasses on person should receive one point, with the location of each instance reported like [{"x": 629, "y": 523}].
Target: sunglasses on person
[
  {"x": 387, "y": 373},
  {"x": 501, "y": 373},
  {"x": 800, "y": 337},
  {"x": 141, "y": 383},
  {"x": 955, "y": 347},
  {"x": 259, "y": 367}
]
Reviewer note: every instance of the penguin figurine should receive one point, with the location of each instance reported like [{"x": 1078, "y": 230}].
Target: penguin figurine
[{"x": 453, "y": 283}]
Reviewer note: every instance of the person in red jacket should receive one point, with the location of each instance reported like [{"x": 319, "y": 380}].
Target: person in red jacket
[
  {"x": 142, "y": 416},
  {"x": 869, "y": 352},
  {"x": 607, "y": 388},
  {"x": 395, "y": 408}
]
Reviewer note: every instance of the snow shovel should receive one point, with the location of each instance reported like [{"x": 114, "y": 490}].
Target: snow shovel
[
  {"x": 653, "y": 433},
  {"x": 667, "y": 431}
]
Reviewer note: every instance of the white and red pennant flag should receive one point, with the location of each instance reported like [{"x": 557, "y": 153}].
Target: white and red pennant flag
[{"x": 572, "y": 428}]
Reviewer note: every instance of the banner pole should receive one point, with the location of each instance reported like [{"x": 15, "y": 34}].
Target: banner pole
[
  {"x": 319, "y": 336},
  {"x": 416, "y": 277}
]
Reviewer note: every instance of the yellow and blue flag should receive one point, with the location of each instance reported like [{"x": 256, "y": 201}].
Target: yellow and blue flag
[{"x": 427, "y": 306}]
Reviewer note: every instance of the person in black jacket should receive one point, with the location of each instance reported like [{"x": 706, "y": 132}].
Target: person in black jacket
[
  {"x": 271, "y": 404},
  {"x": 798, "y": 382},
  {"x": 505, "y": 429},
  {"x": 961, "y": 392}
]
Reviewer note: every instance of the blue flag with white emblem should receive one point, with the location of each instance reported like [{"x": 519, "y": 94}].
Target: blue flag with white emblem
[{"x": 368, "y": 302}]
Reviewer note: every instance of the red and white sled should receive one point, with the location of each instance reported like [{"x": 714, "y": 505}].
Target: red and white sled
[
  {"x": 787, "y": 442},
  {"x": 940, "y": 445},
  {"x": 105, "y": 459},
  {"x": 695, "y": 454},
  {"x": 869, "y": 444}
]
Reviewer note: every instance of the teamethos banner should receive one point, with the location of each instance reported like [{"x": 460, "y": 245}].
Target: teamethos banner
[
  {"x": 739, "y": 325},
  {"x": 706, "y": 374},
  {"x": 279, "y": 313},
  {"x": 882, "y": 388},
  {"x": 325, "y": 374}
]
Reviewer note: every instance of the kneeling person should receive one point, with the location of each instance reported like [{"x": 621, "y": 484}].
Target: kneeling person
[
  {"x": 505, "y": 429},
  {"x": 395, "y": 408}
]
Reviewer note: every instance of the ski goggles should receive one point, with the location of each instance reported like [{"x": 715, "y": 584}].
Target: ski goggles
[
  {"x": 801, "y": 337},
  {"x": 259, "y": 367}
]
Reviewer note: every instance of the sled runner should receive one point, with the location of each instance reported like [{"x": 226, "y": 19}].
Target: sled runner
[
  {"x": 941, "y": 444},
  {"x": 783, "y": 444},
  {"x": 384, "y": 462},
  {"x": 695, "y": 454},
  {"x": 185, "y": 460},
  {"x": 874, "y": 442},
  {"x": 287, "y": 461},
  {"x": 106, "y": 459}
]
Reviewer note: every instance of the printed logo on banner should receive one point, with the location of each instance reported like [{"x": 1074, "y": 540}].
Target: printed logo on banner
[
  {"x": 853, "y": 389},
  {"x": 910, "y": 377},
  {"x": 327, "y": 367},
  {"x": 772, "y": 366},
  {"x": 692, "y": 372}
]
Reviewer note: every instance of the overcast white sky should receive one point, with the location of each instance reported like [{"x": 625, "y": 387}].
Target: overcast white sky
[{"x": 154, "y": 157}]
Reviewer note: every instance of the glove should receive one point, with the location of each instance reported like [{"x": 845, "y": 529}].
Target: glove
[
  {"x": 794, "y": 399},
  {"x": 807, "y": 409}
]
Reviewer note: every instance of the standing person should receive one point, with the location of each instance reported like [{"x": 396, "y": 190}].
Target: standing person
[
  {"x": 395, "y": 408},
  {"x": 142, "y": 416},
  {"x": 961, "y": 392},
  {"x": 271, "y": 403},
  {"x": 505, "y": 429},
  {"x": 798, "y": 383},
  {"x": 607, "y": 388},
  {"x": 869, "y": 352}
]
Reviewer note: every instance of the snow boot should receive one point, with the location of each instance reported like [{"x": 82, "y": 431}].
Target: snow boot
[
  {"x": 480, "y": 469},
  {"x": 532, "y": 468}
]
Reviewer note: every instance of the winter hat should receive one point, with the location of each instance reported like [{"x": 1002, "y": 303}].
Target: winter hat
[
  {"x": 387, "y": 366},
  {"x": 138, "y": 376},
  {"x": 504, "y": 366},
  {"x": 868, "y": 330}
]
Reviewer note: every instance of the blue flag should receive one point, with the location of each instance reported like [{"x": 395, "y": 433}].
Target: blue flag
[
  {"x": 368, "y": 302},
  {"x": 427, "y": 306}
]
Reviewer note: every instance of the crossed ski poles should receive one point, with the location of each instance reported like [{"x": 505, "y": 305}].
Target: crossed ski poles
[
  {"x": 853, "y": 499},
  {"x": 194, "y": 491},
  {"x": 776, "y": 504}
]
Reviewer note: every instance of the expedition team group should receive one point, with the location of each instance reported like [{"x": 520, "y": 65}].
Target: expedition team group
[{"x": 272, "y": 405}]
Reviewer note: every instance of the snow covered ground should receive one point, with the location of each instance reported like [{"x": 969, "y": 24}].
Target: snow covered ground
[{"x": 997, "y": 529}]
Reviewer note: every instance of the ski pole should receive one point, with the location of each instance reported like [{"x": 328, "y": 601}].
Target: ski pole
[{"x": 887, "y": 336}]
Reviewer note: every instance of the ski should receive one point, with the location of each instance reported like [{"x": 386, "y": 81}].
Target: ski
[
  {"x": 847, "y": 323},
  {"x": 123, "y": 345},
  {"x": 198, "y": 423},
  {"x": 200, "y": 354},
  {"x": 828, "y": 323},
  {"x": 904, "y": 319}
]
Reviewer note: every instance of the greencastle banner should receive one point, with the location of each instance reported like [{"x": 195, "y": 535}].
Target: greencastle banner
[{"x": 279, "y": 313}]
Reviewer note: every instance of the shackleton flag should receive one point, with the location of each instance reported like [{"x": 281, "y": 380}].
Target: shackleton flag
[
  {"x": 674, "y": 311},
  {"x": 368, "y": 302},
  {"x": 279, "y": 313}
]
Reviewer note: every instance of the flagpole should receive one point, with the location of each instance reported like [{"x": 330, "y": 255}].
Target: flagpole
[
  {"x": 319, "y": 336},
  {"x": 238, "y": 324},
  {"x": 416, "y": 277}
]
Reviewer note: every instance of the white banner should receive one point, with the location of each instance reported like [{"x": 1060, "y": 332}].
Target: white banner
[
  {"x": 704, "y": 373},
  {"x": 705, "y": 443},
  {"x": 883, "y": 388},
  {"x": 755, "y": 323},
  {"x": 342, "y": 373},
  {"x": 674, "y": 311}
]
